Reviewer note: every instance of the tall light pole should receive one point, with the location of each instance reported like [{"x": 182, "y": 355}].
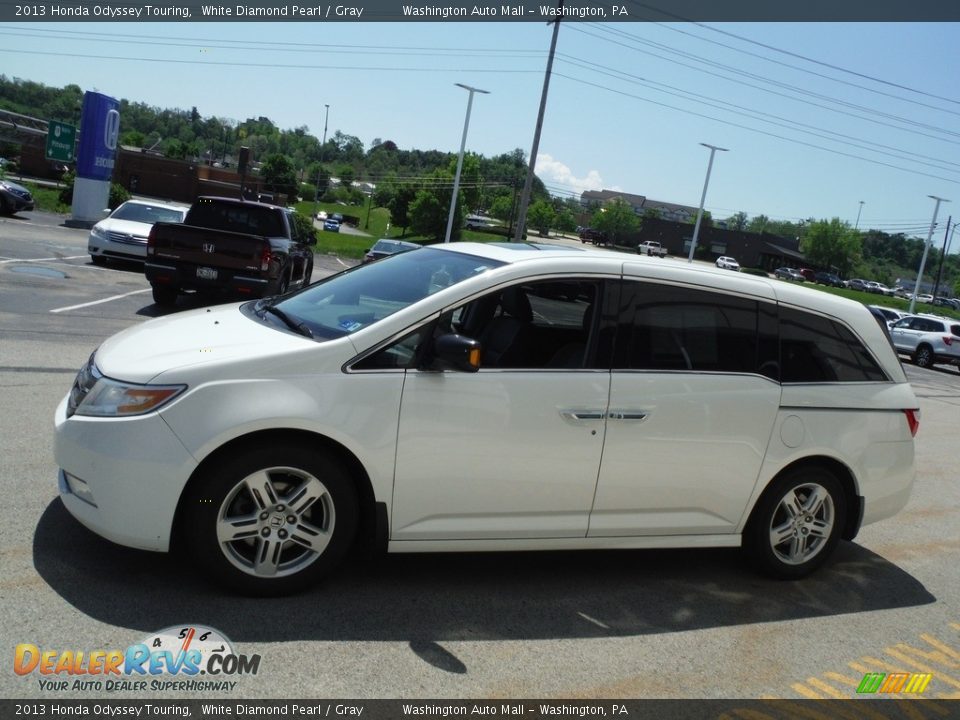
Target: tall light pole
[
  {"x": 463, "y": 144},
  {"x": 316, "y": 193},
  {"x": 926, "y": 249},
  {"x": 703, "y": 197},
  {"x": 856, "y": 225}
]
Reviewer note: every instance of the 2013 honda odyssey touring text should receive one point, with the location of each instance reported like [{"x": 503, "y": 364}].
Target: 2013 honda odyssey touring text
[{"x": 478, "y": 397}]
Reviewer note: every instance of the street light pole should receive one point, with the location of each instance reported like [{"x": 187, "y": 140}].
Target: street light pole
[
  {"x": 857, "y": 224},
  {"x": 703, "y": 197},
  {"x": 463, "y": 144},
  {"x": 316, "y": 192},
  {"x": 926, "y": 249}
]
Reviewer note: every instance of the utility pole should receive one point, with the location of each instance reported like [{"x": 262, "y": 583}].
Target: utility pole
[
  {"x": 528, "y": 183},
  {"x": 946, "y": 237},
  {"x": 316, "y": 194}
]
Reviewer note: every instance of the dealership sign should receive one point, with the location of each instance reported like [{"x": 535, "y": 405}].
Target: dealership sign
[{"x": 99, "y": 133}]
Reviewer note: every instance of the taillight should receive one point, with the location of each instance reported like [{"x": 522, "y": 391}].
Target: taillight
[
  {"x": 265, "y": 259},
  {"x": 152, "y": 242},
  {"x": 913, "y": 421}
]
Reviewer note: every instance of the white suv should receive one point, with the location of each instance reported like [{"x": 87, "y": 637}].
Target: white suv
[
  {"x": 928, "y": 339},
  {"x": 479, "y": 397}
]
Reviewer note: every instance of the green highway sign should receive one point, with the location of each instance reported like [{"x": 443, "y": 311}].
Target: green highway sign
[{"x": 61, "y": 139}]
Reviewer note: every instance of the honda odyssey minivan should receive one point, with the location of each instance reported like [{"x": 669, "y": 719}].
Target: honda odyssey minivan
[{"x": 478, "y": 397}]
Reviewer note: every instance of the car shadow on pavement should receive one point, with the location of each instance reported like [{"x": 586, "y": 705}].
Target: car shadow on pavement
[{"x": 428, "y": 598}]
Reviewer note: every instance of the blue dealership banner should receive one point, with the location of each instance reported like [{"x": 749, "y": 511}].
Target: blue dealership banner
[{"x": 99, "y": 133}]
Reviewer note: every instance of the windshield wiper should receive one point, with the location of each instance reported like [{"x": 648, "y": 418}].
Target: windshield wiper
[{"x": 297, "y": 325}]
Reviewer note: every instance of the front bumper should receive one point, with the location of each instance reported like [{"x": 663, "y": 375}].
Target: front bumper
[{"x": 134, "y": 469}]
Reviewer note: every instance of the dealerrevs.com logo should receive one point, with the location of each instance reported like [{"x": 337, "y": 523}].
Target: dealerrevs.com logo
[{"x": 180, "y": 658}]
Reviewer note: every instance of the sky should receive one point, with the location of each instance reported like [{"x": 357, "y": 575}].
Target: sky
[{"x": 817, "y": 118}]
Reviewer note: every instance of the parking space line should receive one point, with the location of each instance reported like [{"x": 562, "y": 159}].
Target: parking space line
[
  {"x": 98, "y": 302},
  {"x": 49, "y": 259}
]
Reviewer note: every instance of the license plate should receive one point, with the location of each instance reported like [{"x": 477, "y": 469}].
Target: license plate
[{"x": 206, "y": 273}]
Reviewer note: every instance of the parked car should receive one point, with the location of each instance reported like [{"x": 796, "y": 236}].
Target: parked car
[
  {"x": 478, "y": 397},
  {"x": 878, "y": 288},
  {"x": 928, "y": 340},
  {"x": 123, "y": 234},
  {"x": 382, "y": 248},
  {"x": 807, "y": 274},
  {"x": 857, "y": 284},
  {"x": 727, "y": 263},
  {"x": 14, "y": 198},
  {"x": 786, "y": 273},
  {"x": 947, "y": 302},
  {"x": 828, "y": 278},
  {"x": 925, "y": 298},
  {"x": 890, "y": 315},
  {"x": 331, "y": 225}
]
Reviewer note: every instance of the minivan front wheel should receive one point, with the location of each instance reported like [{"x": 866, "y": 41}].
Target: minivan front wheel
[
  {"x": 796, "y": 524},
  {"x": 271, "y": 520}
]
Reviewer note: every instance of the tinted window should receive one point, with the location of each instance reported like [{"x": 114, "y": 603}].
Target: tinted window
[
  {"x": 815, "y": 349},
  {"x": 249, "y": 218},
  {"x": 671, "y": 328}
]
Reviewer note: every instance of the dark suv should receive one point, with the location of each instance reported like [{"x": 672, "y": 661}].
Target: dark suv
[{"x": 828, "y": 278}]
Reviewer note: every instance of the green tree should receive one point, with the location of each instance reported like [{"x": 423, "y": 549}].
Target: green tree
[
  {"x": 279, "y": 175},
  {"x": 501, "y": 207},
  {"x": 616, "y": 219},
  {"x": 832, "y": 244},
  {"x": 738, "y": 221},
  {"x": 429, "y": 212},
  {"x": 399, "y": 207},
  {"x": 541, "y": 216},
  {"x": 758, "y": 223}
]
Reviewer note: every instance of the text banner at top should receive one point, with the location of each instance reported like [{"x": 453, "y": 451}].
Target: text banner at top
[{"x": 443, "y": 11}]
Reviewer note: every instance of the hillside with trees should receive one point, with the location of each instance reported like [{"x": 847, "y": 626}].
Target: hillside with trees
[{"x": 297, "y": 163}]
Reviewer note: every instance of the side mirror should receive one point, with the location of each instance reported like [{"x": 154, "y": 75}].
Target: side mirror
[{"x": 457, "y": 352}]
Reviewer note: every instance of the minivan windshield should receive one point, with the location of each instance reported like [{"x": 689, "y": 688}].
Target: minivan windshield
[{"x": 363, "y": 295}]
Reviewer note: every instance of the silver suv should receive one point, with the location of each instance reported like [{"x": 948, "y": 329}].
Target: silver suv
[{"x": 928, "y": 339}]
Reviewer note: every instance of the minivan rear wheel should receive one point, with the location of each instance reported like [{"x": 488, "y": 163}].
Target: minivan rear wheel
[
  {"x": 271, "y": 520},
  {"x": 797, "y": 523}
]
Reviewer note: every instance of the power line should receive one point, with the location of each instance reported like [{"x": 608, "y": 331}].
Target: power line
[{"x": 755, "y": 130}]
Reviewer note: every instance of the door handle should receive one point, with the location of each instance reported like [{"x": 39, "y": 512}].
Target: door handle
[
  {"x": 627, "y": 415},
  {"x": 581, "y": 415}
]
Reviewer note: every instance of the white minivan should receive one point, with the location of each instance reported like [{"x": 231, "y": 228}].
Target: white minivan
[{"x": 478, "y": 397}]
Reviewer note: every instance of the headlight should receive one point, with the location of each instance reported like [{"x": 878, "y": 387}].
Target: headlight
[
  {"x": 98, "y": 232},
  {"x": 98, "y": 396}
]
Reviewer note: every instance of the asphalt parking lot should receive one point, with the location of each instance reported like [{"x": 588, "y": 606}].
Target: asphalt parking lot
[{"x": 643, "y": 624}]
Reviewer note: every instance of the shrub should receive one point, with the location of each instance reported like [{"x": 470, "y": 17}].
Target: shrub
[{"x": 755, "y": 271}]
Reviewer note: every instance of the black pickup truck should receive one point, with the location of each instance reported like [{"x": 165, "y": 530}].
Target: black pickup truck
[{"x": 227, "y": 246}]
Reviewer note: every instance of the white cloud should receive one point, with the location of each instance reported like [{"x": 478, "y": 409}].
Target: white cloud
[{"x": 554, "y": 172}]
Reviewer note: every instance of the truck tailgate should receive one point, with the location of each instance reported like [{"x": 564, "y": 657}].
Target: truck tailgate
[{"x": 208, "y": 248}]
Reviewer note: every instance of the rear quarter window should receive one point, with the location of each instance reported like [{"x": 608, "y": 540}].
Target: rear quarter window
[{"x": 817, "y": 349}]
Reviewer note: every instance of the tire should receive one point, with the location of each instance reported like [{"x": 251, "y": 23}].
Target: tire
[
  {"x": 98, "y": 260},
  {"x": 923, "y": 356},
  {"x": 796, "y": 524},
  {"x": 271, "y": 520},
  {"x": 281, "y": 287},
  {"x": 165, "y": 295}
]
